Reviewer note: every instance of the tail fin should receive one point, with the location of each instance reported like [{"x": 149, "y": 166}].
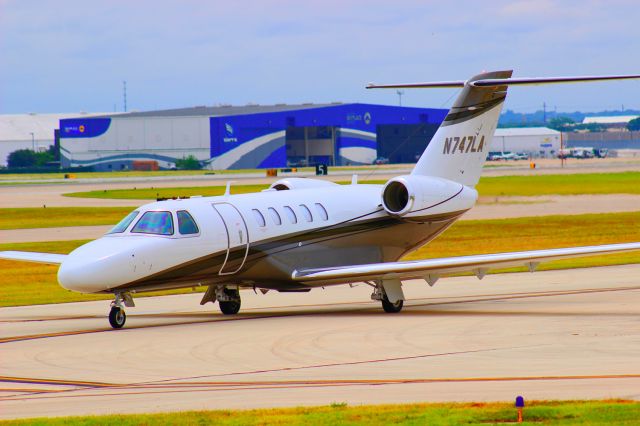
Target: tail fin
[{"x": 459, "y": 148}]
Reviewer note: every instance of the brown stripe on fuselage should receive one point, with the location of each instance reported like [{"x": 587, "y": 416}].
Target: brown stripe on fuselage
[{"x": 304, "y": 250}]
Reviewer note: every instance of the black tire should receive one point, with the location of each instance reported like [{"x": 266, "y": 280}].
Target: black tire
[
  {"x": 391, "y": 308},
  {"x": 117, "y": 317},
  {"x": 231, "y": 307}
]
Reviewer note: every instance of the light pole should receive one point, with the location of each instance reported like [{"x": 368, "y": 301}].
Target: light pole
[{"x": 33, "y": 142}]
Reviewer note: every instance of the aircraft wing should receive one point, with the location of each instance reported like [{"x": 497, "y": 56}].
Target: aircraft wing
[
  {"x": 29, "y": 256},
  {"x": 432, "y": 269}
]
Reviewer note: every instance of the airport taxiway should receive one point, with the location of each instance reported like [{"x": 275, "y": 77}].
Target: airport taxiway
[{"x": 554, "y": 334}]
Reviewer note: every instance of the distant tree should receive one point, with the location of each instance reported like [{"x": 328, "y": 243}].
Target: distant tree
[
  {"x": 29, "y": 158},
  {"x": 188, "y": 163},
  {"x": 634, "y": 125},
  {"x": 22, "y": 158},
  {"x": 561, "y": 123},
  {"x": 42, "y": 158}
]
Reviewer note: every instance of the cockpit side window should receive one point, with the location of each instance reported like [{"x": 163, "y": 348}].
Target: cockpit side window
[
  {"x": 124, "y": 223},
  {"x": 159, "y": 223},
  {"x": 186, "y": 224}
]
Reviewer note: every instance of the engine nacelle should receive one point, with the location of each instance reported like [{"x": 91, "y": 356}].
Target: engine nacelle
[
  {"x": 300, "y": 183},
  {"x": 415, "y": 196}
]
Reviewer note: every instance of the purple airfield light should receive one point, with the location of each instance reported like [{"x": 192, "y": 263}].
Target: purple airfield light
[{"x": 519, "y": 406}]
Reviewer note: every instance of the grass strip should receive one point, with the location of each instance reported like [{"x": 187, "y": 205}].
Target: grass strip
[
  {"x": 53, "y": 217},
  {"x": 153, "y": 193},
  {"x": 23, "y": 283},
  {"x": 606, "y": 412},
  {"x": 571, "y": 184}
]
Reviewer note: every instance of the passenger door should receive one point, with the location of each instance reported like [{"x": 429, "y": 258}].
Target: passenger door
[{"x": 237, "y": 238}]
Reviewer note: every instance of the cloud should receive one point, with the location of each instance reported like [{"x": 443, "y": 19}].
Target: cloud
[{"x": 69, "y": 55}]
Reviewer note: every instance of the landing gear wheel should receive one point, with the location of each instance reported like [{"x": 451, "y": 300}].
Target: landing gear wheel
[
  {"x": 117, "y": 317},
  {"x": 231, "y": 307},
  {"x": 391, "y": 308}
]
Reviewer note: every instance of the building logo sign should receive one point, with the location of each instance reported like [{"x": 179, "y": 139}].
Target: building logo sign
[
  {"x": 229, "y": 134},
  {"x": 73, "y": 130},
  {"x": 366, "y": 117}
]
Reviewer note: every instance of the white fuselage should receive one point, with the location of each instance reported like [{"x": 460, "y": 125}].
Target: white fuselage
[{"x": 236, "y": 245}]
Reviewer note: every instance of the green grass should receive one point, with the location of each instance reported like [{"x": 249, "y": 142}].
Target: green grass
[
  {"x": 576, "y": 184},
  {"x": 608, "y": 412},
  {"x": 153, "y": 193},
  {"x": 533, "y": 233},
  {"x": 23, "y": 283},
  {"x": 571, "y": 184},
  {"x": 52, "y": 217}
]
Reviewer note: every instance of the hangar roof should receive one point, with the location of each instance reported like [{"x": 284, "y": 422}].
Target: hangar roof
[
  {"x": 18, "y": 127},
  {"x": 610, "y": 120},
  {"x": 526, "y": 131},
  {"x": 225, "y": 110}
]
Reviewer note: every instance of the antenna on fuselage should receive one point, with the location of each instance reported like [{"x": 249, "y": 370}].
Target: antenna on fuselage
[
  {"x": 354, "y": 180},
  {"x": 227, "y": 191}
]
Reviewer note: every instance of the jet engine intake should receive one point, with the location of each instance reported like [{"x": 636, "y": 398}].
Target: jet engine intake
[{"x": 414, "y": 196}]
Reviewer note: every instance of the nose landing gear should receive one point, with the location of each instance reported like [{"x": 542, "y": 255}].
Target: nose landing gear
[{"x": 117, "y": 316}]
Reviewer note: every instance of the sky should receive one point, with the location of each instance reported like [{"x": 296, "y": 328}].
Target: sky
[{"x": 73, "y": 55}]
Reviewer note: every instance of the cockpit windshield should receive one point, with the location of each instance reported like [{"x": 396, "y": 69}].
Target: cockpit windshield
[
  {"x": 124, "y": 223},
  {"x": 159, "y": 223}
]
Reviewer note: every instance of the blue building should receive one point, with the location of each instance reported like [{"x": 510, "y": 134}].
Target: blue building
[{"x": 253, "y": 136}]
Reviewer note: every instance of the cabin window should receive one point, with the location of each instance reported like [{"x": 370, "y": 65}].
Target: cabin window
[
  {"x": 158, "y": 223},
  {"x": 259, "y": 218},
  {"x": 306, "y": 213},
  {"x": 186, "y": 224},
  {"x": 124, "y": 223},
  {"x": 290, "y": 214},
  {"x": 275, "y": 216},
  {"x": 322, "y": 211}
]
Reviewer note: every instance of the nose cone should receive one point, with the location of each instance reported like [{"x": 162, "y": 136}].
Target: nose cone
[{"x": 94, "y": 267}]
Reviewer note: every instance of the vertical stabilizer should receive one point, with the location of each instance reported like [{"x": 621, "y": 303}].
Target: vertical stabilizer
[{"x": 460, "y": 146}]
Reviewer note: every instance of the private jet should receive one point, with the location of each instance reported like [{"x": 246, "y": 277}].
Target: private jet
[{"x": 302, "y": 233}]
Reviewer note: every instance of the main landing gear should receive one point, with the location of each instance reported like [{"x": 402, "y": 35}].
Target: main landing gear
[
  {"x": 117, "y": 316},
  {"x": 228, "y": 298},
  {"x": 389, "y": 293}
]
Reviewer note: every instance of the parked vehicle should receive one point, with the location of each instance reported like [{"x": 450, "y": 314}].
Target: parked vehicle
[{"x": 521, "y": 156}]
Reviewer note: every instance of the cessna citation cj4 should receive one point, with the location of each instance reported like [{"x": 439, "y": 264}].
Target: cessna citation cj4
[{"x": 306, "y": 233}]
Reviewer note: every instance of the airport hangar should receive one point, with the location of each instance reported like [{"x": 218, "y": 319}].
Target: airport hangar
[
  {"x": 535, "y": 141},
  {"x": 252, "y": 136}
]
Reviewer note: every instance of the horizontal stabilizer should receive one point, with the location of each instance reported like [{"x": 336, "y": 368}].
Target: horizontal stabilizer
[
  {"x": 447, "y": 265},
  {"x": 29, "y": 256},
  {"x": 494, "y": 82}
]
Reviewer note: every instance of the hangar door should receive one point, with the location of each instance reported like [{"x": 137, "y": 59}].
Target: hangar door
[
  {"x": 404, "y": 143},
  {"x": 308, "y": 146}
]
